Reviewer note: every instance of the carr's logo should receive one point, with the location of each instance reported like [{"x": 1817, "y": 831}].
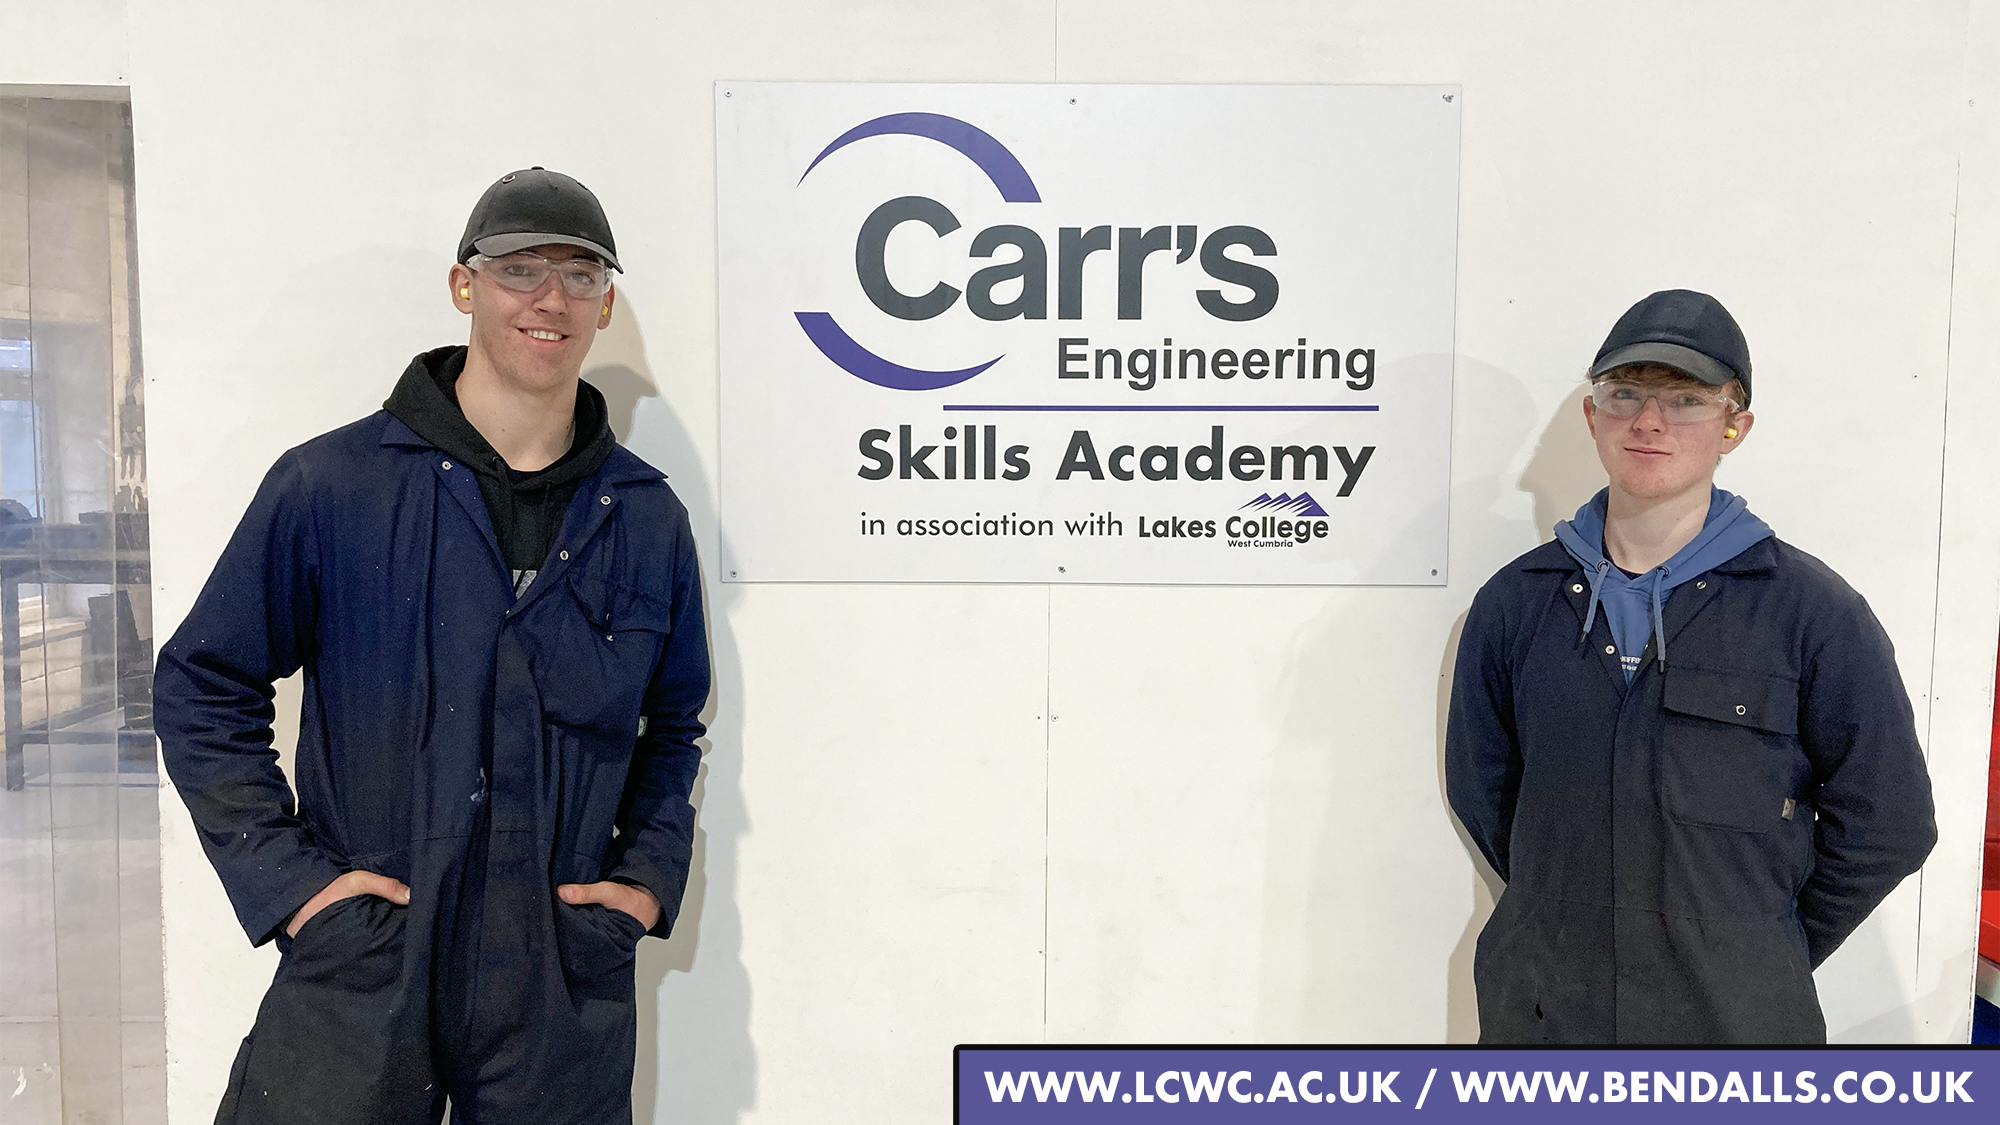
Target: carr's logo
[
  {"x": 1283, "y": 520},
  {"x": 1000, "y": 166},
  {"x": 1180, "y": 241}
]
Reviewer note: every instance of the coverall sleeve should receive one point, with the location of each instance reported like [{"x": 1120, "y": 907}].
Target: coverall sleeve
[
  {"x": 212, "y": 707},
  {"x": 1482, "y": 755},
  {"x": 655, "y": 818},
  {"x": 1871, "y": 790}
]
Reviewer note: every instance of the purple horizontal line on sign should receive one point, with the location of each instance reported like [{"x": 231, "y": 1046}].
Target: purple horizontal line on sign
[{"x": 1190, "y": 408}]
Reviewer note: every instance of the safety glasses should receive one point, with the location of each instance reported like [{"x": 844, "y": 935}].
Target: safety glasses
[
  {"x": 1680, "y": 406},
  {"x": 582, "y": 278}
]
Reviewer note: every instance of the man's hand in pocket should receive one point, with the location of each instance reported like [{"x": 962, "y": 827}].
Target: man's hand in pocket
[
  {"x": 623, "y": 897},
  {"x": 347, "y": 886}
]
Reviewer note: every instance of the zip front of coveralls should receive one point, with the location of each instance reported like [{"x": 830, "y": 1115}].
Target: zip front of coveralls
[{"x": 512, "y": 1003}]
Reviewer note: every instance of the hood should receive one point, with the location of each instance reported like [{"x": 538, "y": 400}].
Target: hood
[
  {"x": 1728, "y": 531},
  {"x": 426, "y": 400}
]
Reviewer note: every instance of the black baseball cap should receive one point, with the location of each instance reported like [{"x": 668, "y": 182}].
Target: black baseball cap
[
  {"x": 536, "y": 207},
  {"x": 1687, "y": 331}
]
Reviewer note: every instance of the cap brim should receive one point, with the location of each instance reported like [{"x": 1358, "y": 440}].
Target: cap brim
[
  {"x": 494, "y": 245},
  {"x": 1687, "y": 361}
]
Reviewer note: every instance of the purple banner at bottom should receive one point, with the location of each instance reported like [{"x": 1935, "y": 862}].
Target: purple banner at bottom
[{"x": 1002, "y": 1084}]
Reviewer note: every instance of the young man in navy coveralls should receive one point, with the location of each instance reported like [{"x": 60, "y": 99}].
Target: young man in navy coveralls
[
  {"x": 1682, "y": 742},
  {"x": 497, "y": 610}
]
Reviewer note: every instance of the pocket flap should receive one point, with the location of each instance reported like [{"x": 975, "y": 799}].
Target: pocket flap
[
  {"x": 614, "y": 607},
  {"x": 1746, "y": 699}
]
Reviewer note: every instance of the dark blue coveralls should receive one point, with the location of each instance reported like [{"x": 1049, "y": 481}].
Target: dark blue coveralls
[
  {"x": 483, "y": 749},
  {"x": 1681, "y": 851}
]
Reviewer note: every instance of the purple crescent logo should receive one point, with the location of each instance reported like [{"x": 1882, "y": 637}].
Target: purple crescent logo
[
  {"x": 975, "y": 143},
  {"x": 1008, "y": 176},
  {"x": 1301, "y": 505}
]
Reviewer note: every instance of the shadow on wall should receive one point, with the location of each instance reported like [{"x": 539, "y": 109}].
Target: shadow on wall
[
  {"x": 1564, "y": 472},
  {"x": 617, "y": 368},
  {"x": 695, "y": 1060},
  {"x": 1343, "y": 954}
]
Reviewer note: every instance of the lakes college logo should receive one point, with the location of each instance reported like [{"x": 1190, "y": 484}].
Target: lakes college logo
[{"x": 1301, "y": 505}]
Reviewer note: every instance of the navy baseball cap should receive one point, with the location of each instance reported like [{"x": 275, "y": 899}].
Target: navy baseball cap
[
  {"x": 537, "y": 207},
  {"x": 1687, "y": 331}
]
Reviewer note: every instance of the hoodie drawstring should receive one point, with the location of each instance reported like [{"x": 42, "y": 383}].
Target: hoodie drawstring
[
  {"x": 1596, "y": 586},
  {"x": 1597, "y": 577},
  {"x": 1659, "y": 626}
]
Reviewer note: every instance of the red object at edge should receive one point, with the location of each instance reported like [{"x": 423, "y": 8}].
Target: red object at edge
[{"x": 1989, "y": 896}]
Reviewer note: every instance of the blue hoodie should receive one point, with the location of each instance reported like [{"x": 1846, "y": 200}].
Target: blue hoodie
[{"x": 1726, "y": 533}]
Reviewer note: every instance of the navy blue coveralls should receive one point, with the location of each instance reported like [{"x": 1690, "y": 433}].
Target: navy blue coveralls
[
  {"x": 1681, "y": 851},
  {"x": 483, "y": 749}
]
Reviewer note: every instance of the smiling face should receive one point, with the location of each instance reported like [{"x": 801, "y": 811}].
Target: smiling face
[
  {"x": 536, "y": 340},
  {"x": 1648, "y": 457}
]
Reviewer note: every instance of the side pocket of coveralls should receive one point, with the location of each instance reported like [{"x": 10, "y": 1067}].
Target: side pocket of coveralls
[
  {"x": 354, "y": 943},
  {"x": 1729, "y": 755},
  {"x": 598, "y": 946},
  {"x": 1522, "y": 996},
  {"x": 334, "y": 1040},
  {"x": 1496, "y": 966}
]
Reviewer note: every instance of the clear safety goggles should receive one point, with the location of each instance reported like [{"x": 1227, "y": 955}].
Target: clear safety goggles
[
  {"x": 1680, "y": 406},
  {"x": 582, "y": 278}
]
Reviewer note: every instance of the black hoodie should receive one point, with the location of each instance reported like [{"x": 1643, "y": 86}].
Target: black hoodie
[{"x": 526, "y": 508}]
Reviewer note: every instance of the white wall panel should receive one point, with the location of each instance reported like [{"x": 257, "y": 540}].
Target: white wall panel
[
  {"x": 1236, "y": 793},
  {"x": 1968, "y": 545},
  {"x": 80, "y": 42},
  {"x": 1242, "y": 849},
  {"x": 892, "y": 864}
]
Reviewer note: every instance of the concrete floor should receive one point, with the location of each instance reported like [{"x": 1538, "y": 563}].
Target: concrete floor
[{"x": 81, "y": 1003}]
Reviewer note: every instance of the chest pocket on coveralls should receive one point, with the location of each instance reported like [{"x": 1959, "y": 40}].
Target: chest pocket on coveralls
[
  {"x": 604, "y": 657},
  {"x": 1729, "y": 747}
]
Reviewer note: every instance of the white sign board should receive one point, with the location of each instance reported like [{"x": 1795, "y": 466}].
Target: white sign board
[{"x": 1164, "y": 334}]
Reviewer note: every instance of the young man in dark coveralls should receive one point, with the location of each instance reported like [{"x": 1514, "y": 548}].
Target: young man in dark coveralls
[
  {"x": 1681, "y": 741},
  {"x": 498, "y": 612}
]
